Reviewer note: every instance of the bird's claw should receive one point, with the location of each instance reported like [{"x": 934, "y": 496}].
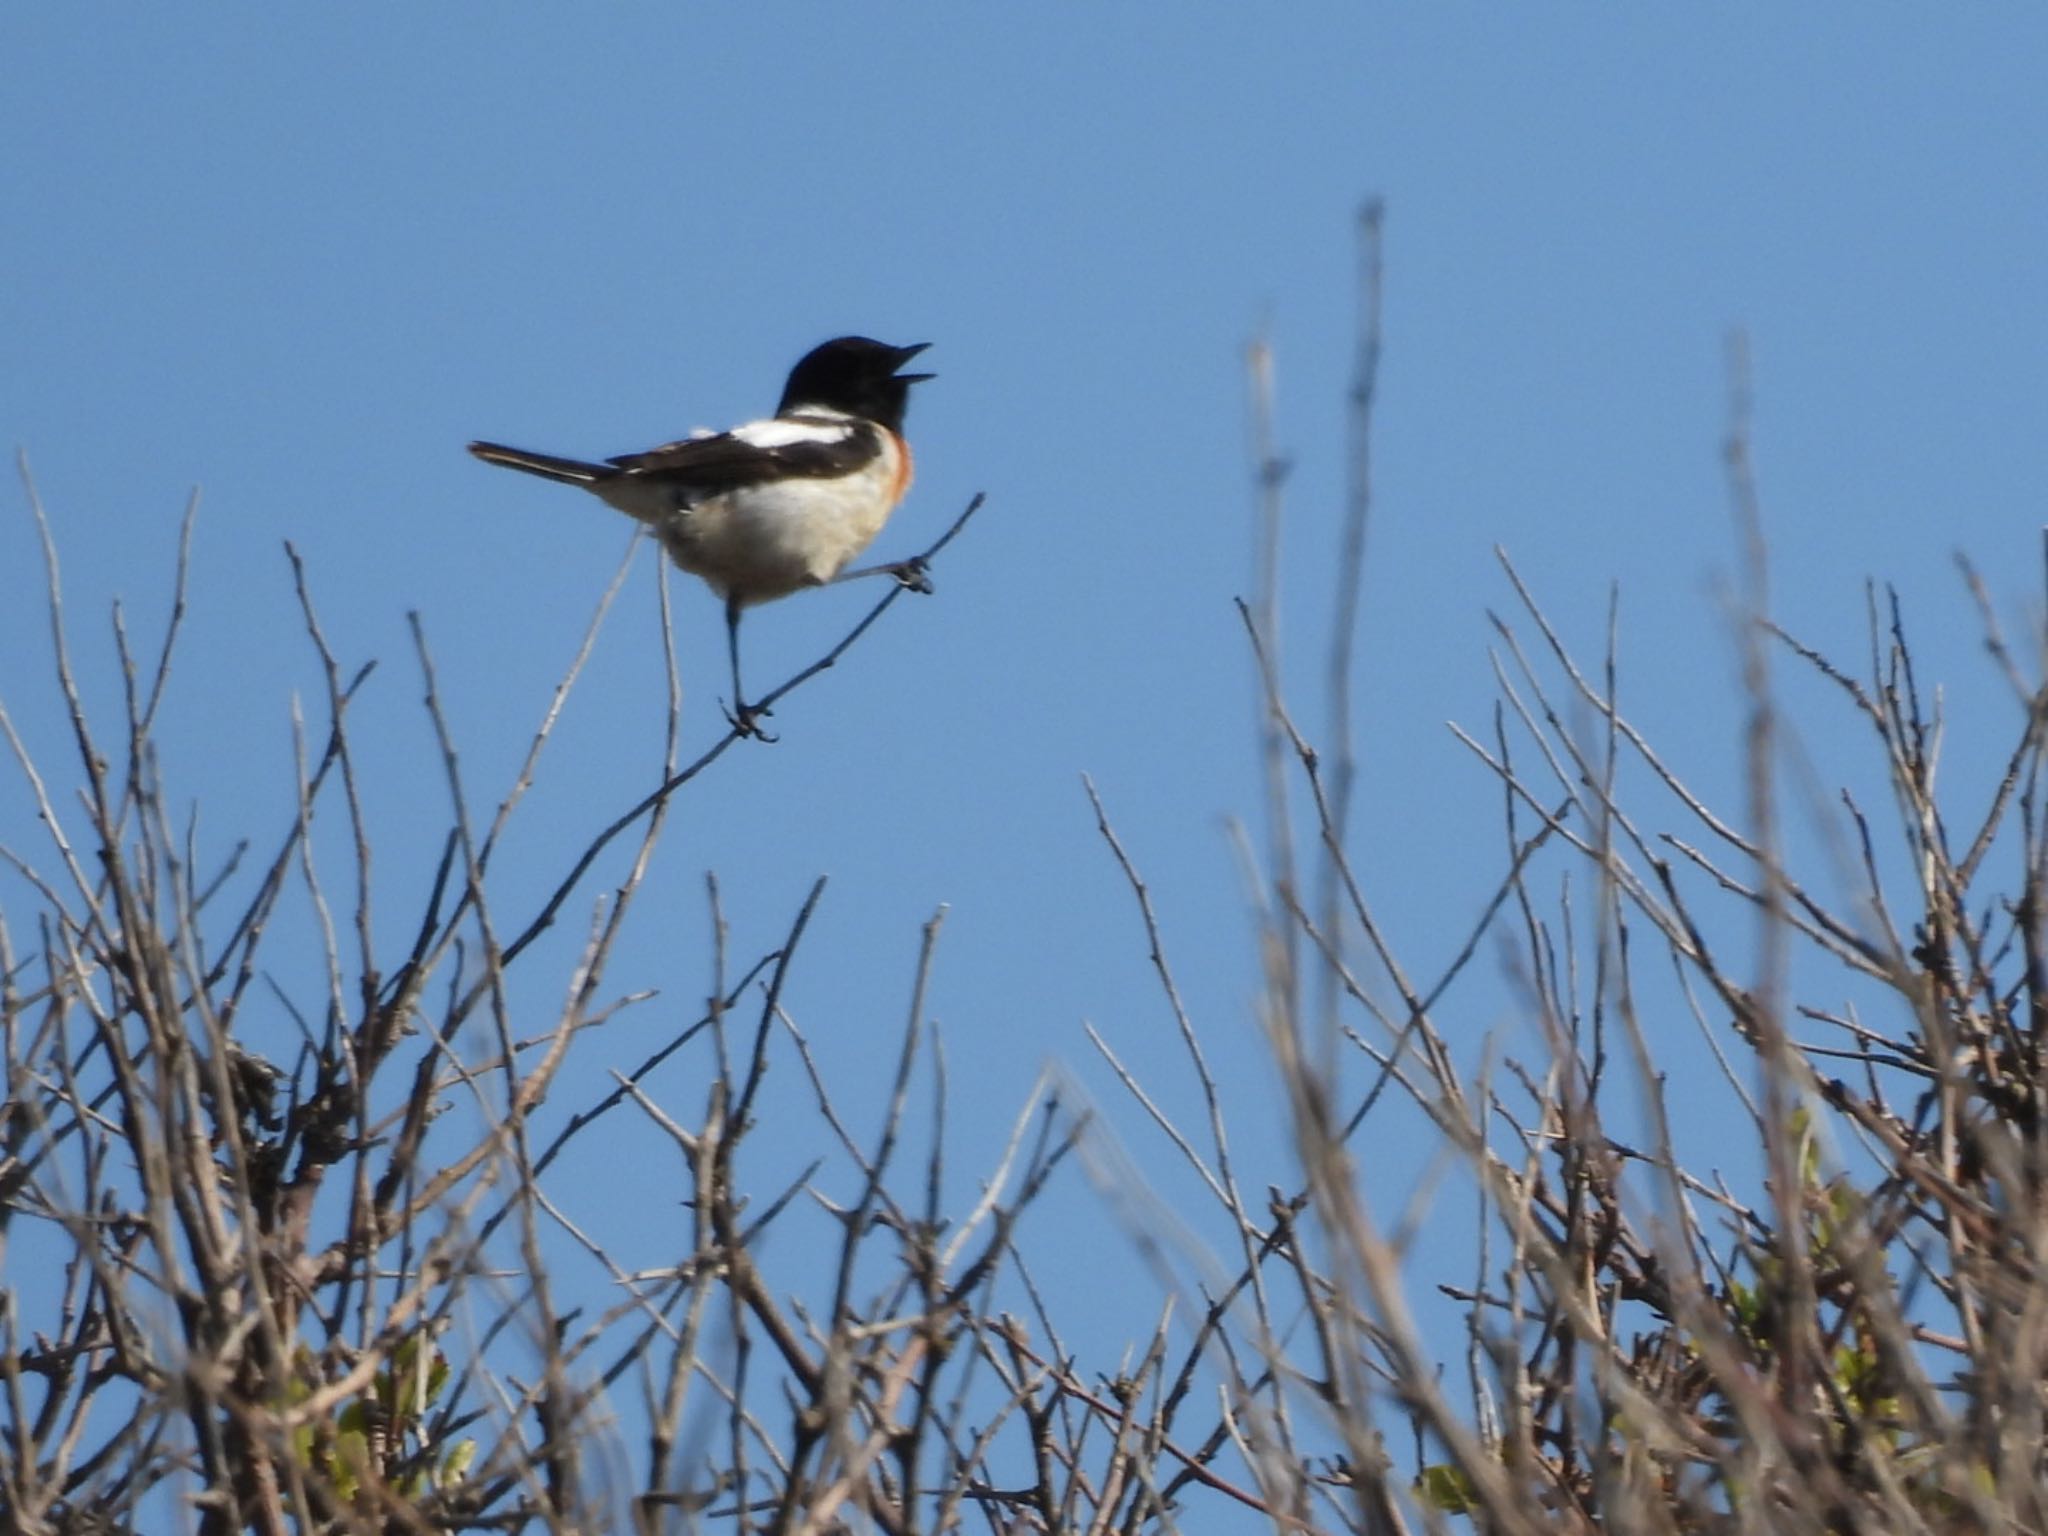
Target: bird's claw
[
  {"x": 915, "y": 574},
  {"x": 745, "y": 720}
]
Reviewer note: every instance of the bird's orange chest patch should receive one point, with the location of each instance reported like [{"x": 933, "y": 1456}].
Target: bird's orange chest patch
[{"x": 905, "y": 470}]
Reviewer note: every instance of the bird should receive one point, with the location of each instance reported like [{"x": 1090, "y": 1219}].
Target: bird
[{"x": 770, "y": 507}]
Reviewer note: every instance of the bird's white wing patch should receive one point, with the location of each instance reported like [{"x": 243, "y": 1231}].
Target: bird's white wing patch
[{"x": 788, "y": 432}]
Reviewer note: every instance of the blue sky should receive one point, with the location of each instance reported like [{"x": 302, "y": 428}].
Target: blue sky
[{"x": 298, "y": 260}]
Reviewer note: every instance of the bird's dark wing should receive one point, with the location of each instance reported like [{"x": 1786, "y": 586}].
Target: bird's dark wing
[{"x": 776, "y": 449}]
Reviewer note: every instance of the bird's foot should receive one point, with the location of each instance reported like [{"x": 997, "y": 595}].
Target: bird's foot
[
  {"x": 745, "y": 721},
  {"x": 913, "y": 573}
]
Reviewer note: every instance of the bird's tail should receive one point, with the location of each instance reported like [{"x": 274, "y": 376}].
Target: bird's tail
[{"x": 546, "y": 465}]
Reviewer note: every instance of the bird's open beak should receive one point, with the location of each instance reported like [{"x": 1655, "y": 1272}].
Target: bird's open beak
[{"x": 904, "y": 355}]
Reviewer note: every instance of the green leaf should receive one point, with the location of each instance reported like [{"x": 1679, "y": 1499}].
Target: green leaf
[
  {"x": 1446, "y": 1488},
  {"x": 455, "y": 1465},
  {"x": 351, "y": 1455}
]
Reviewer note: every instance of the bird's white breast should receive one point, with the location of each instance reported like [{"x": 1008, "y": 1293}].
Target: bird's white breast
[{"x": 767, "y": 541}]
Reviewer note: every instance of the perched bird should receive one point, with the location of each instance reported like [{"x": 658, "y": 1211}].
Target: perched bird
[{"x": 771, "y": 506}]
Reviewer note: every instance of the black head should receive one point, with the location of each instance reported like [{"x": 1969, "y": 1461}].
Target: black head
[{"x": 855, "y": 375}]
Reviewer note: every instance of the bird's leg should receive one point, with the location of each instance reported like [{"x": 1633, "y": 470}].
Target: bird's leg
[
  {"x": 912, "y": 573},
  {"x": 742, "y": 715}
]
